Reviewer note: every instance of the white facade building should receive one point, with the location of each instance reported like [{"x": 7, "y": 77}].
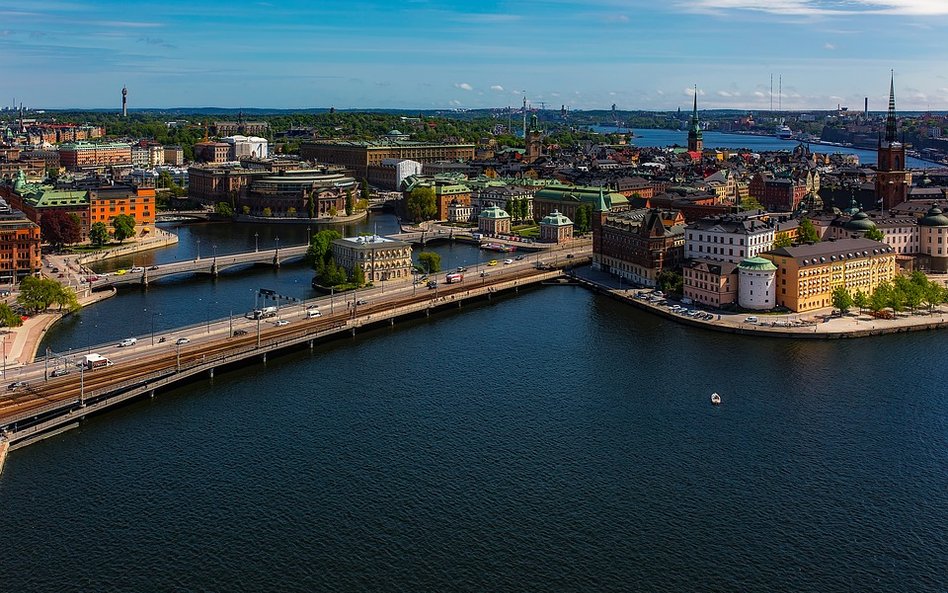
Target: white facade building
[
  {"x": 728, "y": 239},
  {"x": 247, "y": 147},
  {"x": 756, "y": 284}
]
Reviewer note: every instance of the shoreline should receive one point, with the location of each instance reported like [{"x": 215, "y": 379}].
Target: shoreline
[
  {"x": 161, "y": 238},
  {"x": 833, "y": 329},
  {"x": 303, "y": 221}
]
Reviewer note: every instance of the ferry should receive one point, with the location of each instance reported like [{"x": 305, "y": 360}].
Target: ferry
[
  {"x": 498, "y": 247},
  {"x": 784, "y": 132}
]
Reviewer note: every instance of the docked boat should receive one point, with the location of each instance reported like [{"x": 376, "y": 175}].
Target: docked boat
[
  {"x": 783, "y": 132},
  {"x": 715, "y": 399}
]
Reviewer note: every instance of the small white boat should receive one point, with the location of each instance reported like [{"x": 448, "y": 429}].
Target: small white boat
[{"x": 715, "y": 399}]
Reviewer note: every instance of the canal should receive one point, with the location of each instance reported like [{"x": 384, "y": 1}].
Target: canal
[{"x": 551, "y": 441}]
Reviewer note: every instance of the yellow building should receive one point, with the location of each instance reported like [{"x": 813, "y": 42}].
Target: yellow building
[{"x": 808, "y": 274}]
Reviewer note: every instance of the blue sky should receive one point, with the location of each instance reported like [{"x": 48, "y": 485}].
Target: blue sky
[{"x": 639, "y": 54}]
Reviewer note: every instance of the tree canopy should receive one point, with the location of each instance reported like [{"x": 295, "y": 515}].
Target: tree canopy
[
  {"x": 430, "y": 261},
  {"x": 124, "y": 227},
  {"x": 808, "y": 232},
  {"x": 98, "y": 234},
  {"x": 8, "y": 316},
  {"x": 60, "y": 228},
  {"x": 420, "y": 204},
  {"x": 39, "y": 294}
]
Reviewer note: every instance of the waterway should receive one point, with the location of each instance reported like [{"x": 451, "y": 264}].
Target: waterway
[
  {"x": 551, "y": 441},
  {"x": 649, "y": 138}
]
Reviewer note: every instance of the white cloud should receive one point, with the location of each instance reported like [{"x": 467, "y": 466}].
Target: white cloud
[
  {"x": 759, "y": 94},
  {"x": 463, "y": 86},
  {"x": 454, "y": 102},
  {"x": 691, "y": 92},
  {"x": 829, "y": 46},
  {"x": 729, "y": 94},
  {"x": 821, "y": 7},
  {"x": 497, "y": 88}
]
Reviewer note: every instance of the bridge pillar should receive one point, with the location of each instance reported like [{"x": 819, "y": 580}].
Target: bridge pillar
[
  {"x": 145, "y": 278},
  {"x": 263, "y": 357},
  {"x": 311, "y": 343},
  {"x": 210, "y": 372},
  {"x": 214, "y": 268},
  {"x": 151, "y": 394}
]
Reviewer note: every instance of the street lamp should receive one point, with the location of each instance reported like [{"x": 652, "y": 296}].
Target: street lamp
[
  {"x": 256, "y": 247},
  {"x": 199, "y": 248},
  {"x": 153, "y": 315}
]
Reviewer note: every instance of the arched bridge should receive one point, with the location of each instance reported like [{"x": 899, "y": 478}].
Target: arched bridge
[{"x": 204, "y": 265}]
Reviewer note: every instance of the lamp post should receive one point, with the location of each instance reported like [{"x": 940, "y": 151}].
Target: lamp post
[
  {"x": 199, "y": 248},
  {"x": 256, "y": 247},
  {"x": 153, "y": 315}
]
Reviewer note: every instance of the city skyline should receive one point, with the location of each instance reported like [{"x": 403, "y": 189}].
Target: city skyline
[{"x": 427, "y": 55}]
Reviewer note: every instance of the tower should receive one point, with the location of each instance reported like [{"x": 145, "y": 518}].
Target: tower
[
  {"x": 892, "y": 181},
  {"x": 695, "y": 139},
  {"x": 533, "y": 140},
  {"x": 124, "y": 101}
]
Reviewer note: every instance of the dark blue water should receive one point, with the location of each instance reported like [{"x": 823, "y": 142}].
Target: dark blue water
[
  {"x": 648, "y": 138},
  {"x": 554, "y": 441}
]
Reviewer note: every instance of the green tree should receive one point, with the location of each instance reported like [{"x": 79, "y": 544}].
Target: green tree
[
  {"x": 350, "y": 202},
  {"x": 60, "y": 228},
  {"x": 333, "y": 212},
  {"x": 671, "y": 282},
  {"x": 98, "y": 234},
  {"x": 224, "y": 209},
  {"x": 842, "y": 300},
  {"x": 365, "y": 190},
  {"x": 420, "y": 204},
  {"x": 358, "y": 275},
  {"x": 509, "y": 208},
  {"x": 430, "y": 261},
  {"x": 245, "y": 209},
  {"x": 583, "y": 218},
  {"x": 751, "y": 203},
  {"x": 165, "y": 179},
  {"x": 52, "y": 173},
  {"x": 123, "y": 227},
  {"x": 267, "y": 213},
  {"x": 861, "y": 300},
  {"x": 8, "y": 317},
  {"x": 320, "y": 247},
  {"x": 808, "y": 232},
  {"x": 291, "y": 212},
  {"x": 874, "y": 234},
  {"x": 783, "y": 241},
  {"x": 39, "y": 294}
]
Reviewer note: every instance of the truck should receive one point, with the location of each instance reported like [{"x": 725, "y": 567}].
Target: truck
[
  {"x": 95, "y": 361},
  {"x": 454, "y": 278},
  {"x": 264, "y": 313}
]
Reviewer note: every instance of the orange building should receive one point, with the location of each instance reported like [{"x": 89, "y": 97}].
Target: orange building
[
  {"x": 76, "y": 156},
  {"x": 138, "y": 202},
  {"x": 19, "y": 245}
]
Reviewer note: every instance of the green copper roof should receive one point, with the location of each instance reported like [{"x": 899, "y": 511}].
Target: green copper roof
[
  {"x": 757, "y": 264},
  {"x": 556, "y": 218},
  {"x": 934, "y": 217},
  {"x": 859, "y": 222},
  {"x": 493, "y": 212}
]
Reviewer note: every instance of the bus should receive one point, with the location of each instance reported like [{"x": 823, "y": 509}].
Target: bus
[{"x": 453, "y": 278}]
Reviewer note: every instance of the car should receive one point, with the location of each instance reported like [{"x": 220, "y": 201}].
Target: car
[
  {"x": 138, "y": 269},
  {"x": 658, "y": 293},
  {"x": 432, "y": 284},
  {"x": 240, "y": 332},
  {"x": 128, "y": 342},
  {"x": 182, "y": 341},
  {"x": 281, "y": 322},
  {"x": 750, "y": 319},
  {"x": 17, "y": 385},
  {"x": 507, "y": 262},
  {"x": 462, "y": 269},
  {"x": 492, "y": 262},
  {"x": 485, "y": 274},
  {"x": 60, "y": 372},
  {"x": 152, "y": 267},
  {"x": 520, "y": 257},
  {"x": 4, "y": 293},
  {"x": 121, "y": 272},
  {"x": 91, "y": 278},
  {"x": 55, "y": 270},
  {"x": 569, "y": 256}
]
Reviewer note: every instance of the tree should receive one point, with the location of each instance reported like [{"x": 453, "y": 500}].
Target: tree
[
  {"x": 245, "y": 210},
  {"x": 358, "y": 275},
  {"x": 98, "y": 234},
  {"x": 430, "y": 260},
  {"x": 509, "y": 207},
  {"x": 291, "y": 212},
  {"x": 420, "y": 204},
  {"x": 320, "y": 247},
  {"x": 861, "y": 300},
  {"x": 8, "y": 316},
  {"x": 165, "y": 179},
  {"x": 365, "y": 190},
  {"x": 333, "y": 212},
  {"x": 808, "y": 232},
  {"x": 123, "y": 227},
  {"x": 524, "y": 209},
  {"x": 38, "y": 294},
  {"x": 874, "y": 234},
  {"x": 60, "y": 228},
  {"x": 267, "y": 213},
  {"x": 583, "y": 217},
  {"x": 842, "y": 300},
  {"x": 783, "y": 241},
  {"x": 671, "y": 282},
  {"x": 223, "y": 209},
  {"x": 350, "y": 202},
  {"x": 52, "y": 173},
  {"x": 751, "y": 203}
]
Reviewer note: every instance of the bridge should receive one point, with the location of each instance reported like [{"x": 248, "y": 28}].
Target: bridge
[
  {"x": 183, "y": 215},
  {"x": 202, "y": 265},
  {"x": 41, "y": 404}
]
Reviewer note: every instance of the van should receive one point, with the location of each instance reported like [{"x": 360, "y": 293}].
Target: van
[
  {"x": 311, "y": 313},
  {"x": 128, "y": 342}
]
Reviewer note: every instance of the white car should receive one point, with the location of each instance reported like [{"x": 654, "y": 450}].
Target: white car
[
  {"x": 182, "y": 341},
  {"x": 281, "y": 323},
  {"x": 128, "y": 342},
  {"x": 507, "y": 262}
]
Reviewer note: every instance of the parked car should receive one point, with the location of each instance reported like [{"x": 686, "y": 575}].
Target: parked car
[
  {"x": 181, "y": 341},
  {"x": 4, "y": 293}
]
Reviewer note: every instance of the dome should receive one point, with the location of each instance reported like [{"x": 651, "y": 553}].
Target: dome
[
  {"x": 859, "y": 222},
  {"x": 757, "y": 264},
  {"x": 493, "y": 212},
  {"x": 556, "y": 218},
  {"x": 934, "y": 217}
]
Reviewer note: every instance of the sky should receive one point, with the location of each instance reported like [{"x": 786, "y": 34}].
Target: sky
[{"x": 420, "y": 54}]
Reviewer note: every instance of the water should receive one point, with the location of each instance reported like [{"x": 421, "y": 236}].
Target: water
[
  {"x": 648, "y": 138},
  {"x": 553, "y": 441}
]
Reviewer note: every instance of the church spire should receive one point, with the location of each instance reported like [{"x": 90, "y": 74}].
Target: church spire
[
  {"x": 695, "y": 141},
  {"x": 890, "y": 122}
]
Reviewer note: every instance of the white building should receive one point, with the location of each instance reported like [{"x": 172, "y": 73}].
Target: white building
[
  {"x": 403, "y": 168},
  {"x": 148, "y": 157},
  {"x": 728, "y": 238},
  {"x": 756, "y": 284},
  {"x": 247, "y": 147},
  {"x": 380, "y": 258}
]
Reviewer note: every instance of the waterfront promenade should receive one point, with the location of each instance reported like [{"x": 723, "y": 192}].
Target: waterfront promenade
[{"x": 820, "y": 324}]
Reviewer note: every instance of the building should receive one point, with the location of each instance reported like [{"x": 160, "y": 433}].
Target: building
[
  {"x": 79, "y": 156},
  {"x": 807, "y": 274},
  {"x": 933, "y": 235},
  {"x": 390, "y": 174},
  {"x": 212, "y": 152},
  {"x": 636, "y": 245},
  {"x": 777, "y": 194},
  {"x": 567, "y": 199},
  {"x": 108, "y": 202},
  {"x": 757, "y": 278},
  {"x": 174, "y": 156},
  {"x": 556, "y": 228},
  {"x": 359, "y": 156},
  {"x": 296, "y": 194},
  {"x": 711, "y": 283},
  {"x": 19, "y": 245},
  {"x": 246, "y": 147},
  {"x": 248, "y": 128},
  {"x": 695, "y": 137},
  {"x": 148, "y": 155},
  {"x": 36, "y": 200},
  {"x": 460, "y": 212},
  {"x": 730, "y": 238},
  {"x": 382, "y": 259},
  {"x": 892, "y": 180},
  {"x": 534, "y": 141},
  {"x": 493, "y": 221}
]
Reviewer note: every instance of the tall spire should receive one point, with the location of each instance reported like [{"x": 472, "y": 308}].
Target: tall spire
[
  {"x": 890, "y": 122},
  {"x": 694, "y": 113}
]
